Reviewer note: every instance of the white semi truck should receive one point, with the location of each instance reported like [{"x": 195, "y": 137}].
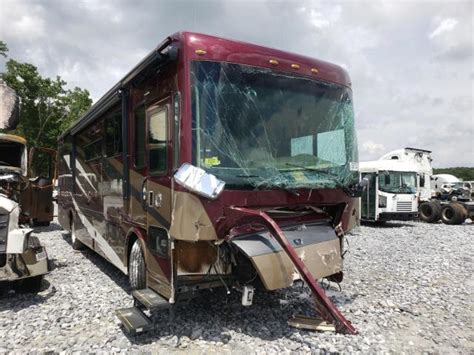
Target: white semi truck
[
  {"x": 391, "y": 192},
  {"x": 23, "y": 260},
  {"x": 441, "y": 196}
]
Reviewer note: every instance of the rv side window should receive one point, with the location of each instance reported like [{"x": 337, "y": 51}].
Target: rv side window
[
  {"x": 93, "y": 150},
  {"x": 140, "y": 136},
  {"x": 113, "y": 132},
  {"x": 157, "y": 139}
]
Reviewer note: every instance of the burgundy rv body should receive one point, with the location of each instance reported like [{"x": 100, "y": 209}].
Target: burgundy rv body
[{"x": 276, "y": 128}]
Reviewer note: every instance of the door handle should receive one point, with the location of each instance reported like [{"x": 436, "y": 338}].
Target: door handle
[{"x": 151, "y": 197}]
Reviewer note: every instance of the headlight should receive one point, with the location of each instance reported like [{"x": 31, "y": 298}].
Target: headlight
[
  {"x": 4, "y": 218},
  {"x": 382, "y": 201}
]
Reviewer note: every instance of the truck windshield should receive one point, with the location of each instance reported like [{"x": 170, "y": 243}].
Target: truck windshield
[
  {"x": 11, "y": 154},
  {"x": 396, "y": 182},
  {"x": 255, "y": 126}
]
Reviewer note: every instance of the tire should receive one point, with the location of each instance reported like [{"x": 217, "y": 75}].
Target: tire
[
  {"x": 75, "y": 243},
  {"x": 429, "y": 212},
  {"x": 30, "y": 285},
  {"x": 453, "y": 213},
  {"x": 136, "y": 267}
]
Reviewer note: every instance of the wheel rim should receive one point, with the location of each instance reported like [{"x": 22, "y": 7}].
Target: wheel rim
[{"x": 448, "y": 213}]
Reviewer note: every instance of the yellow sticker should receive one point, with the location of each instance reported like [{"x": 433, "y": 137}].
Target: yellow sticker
[
  {"x": 211, "y": 161},
  {"x": 299, "y": 176}
]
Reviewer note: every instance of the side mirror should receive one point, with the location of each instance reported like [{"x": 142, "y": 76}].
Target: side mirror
[
  {"x": 199, "y": 181},
  {"x": 357, "y": 189}
]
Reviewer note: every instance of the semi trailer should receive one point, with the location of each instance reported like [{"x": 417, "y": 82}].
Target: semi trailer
[
  {"x": 441, "y": 197},
  {"x": 215, "y": 163}
]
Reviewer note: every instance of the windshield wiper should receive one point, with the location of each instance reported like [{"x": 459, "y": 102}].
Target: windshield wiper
[
  {"x": 324, "y": 172},
  {"x": 347, "y": 190},
  {"x": 281, "y": 186},
  {"x": 247, "y": 176}
]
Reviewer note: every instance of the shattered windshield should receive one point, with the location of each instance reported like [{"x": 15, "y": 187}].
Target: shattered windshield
[
  {"x": 397, "y": 182},
  {"x": 258, "y": 127},
  {"x": 11, "y": 154}
]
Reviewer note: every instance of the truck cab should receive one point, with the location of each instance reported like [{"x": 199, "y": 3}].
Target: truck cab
[{"x": 391, "y": 193}]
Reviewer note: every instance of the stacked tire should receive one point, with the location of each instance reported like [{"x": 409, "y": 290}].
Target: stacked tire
[{"x": 451, "y": 213}]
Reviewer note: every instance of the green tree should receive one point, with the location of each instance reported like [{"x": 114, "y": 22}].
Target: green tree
[
  {"x": 47, "y": 107},
  {"x": 3, "y": 49}
]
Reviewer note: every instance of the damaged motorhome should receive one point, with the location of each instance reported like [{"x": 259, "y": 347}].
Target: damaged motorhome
[
  {"x": 22, "y": 200},
  {"x": 215, "y": 163}
]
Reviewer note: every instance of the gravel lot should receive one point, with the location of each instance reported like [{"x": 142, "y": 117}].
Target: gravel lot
[{"x": 407, "y": 288}]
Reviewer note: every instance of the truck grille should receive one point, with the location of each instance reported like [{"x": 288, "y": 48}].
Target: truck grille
[{"x": 404, "y": 206}]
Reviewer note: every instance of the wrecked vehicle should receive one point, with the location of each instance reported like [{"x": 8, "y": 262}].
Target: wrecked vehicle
[
  {"x": 215, "y": 163},
  {"x": 22, "y": 258}
]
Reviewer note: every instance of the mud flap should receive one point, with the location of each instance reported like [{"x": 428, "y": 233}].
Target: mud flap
[{"x": 324, "y": 306}]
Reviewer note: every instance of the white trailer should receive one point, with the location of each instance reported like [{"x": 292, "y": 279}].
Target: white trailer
[
  {"x": 391, "y": 192},
  {"x": 441, "y": 196}
]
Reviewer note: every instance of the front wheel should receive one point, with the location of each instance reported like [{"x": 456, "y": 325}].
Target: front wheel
[{"x": 136, "y": 267}]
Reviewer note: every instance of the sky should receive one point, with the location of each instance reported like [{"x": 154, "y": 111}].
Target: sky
[{"x": 410, "y": 62}]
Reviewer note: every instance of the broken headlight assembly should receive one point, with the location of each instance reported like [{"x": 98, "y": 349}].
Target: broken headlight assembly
[{"x": 4, "y": 219}]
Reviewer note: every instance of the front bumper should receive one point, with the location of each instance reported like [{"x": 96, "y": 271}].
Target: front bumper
[
  {"x": 398, "y": 216},
  {"x": 32, "y": 262},
  {"x": 318, "y": 246}
]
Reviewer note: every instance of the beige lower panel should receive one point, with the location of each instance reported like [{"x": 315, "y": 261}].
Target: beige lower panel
[
  {"x": 277, "y": 271},
  {"x": 189, "y": 220}
]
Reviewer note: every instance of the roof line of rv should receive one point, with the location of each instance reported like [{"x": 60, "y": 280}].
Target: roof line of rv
[{"x": 112, "y": 96}]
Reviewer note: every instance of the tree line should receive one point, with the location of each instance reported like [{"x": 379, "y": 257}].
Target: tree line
[{"x": 47, "y": 106}]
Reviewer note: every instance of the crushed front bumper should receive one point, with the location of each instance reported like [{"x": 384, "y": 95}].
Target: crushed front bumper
[
  {"x": 318, "y": 247},
  {"x": 32, "y": 262}
]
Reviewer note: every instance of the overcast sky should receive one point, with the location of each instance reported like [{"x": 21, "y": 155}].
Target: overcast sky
[{"x": 411, "y": 63}]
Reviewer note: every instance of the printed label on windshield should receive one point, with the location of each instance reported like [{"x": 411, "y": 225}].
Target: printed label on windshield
[{"x": 212, "y": 161}]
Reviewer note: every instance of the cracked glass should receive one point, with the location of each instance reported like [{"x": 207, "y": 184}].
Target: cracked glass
[{"x": 260, "y": 128}]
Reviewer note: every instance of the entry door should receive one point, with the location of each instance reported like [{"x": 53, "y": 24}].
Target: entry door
[
  {"x": 41, "y": 172},
  {"x": 158, "y": 196},
  {"x": 368, "y": 197}
]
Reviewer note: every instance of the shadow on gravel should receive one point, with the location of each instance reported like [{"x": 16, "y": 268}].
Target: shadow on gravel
[
  {"x": 215, "y": 316},
  {"x": 106, "y": 267},
  {"x": 14, "y": 300},
  {"x": 45, "y": 229}
]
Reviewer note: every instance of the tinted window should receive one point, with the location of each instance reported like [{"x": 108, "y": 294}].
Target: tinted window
[
  {"x": 113, "y": 133},
  {"x": 93, "y": 150},
  {"x": 140, "y": 136}
]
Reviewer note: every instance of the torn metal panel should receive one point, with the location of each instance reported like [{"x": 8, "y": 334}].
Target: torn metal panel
[
  {"x": 317, "y": 246},
  {"x": 324, "y": 306},
  {"x": 189, "y": 219}
]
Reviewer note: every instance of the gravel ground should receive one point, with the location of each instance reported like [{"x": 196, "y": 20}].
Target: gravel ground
[{"x": 407, "y": 288}]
